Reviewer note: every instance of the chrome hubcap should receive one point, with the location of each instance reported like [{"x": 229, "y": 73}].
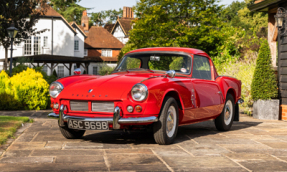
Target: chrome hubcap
[
  {"x": 228, "y": 111},
  {"x": 171, "y": 121}
]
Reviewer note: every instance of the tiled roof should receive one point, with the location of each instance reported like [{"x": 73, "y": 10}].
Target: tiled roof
[
  {"x": 99, "y": 37},
  {"x": 51, "y": 12},
  {"x": 125, "y": 23},
  {"x": 81, "y": 29},
  {"x": 109, "y": 27}
]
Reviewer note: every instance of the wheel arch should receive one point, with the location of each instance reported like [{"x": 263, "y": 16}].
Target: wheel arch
[
  {"x": 232, "y": 92},
  {"x": 176, "y": 96}
]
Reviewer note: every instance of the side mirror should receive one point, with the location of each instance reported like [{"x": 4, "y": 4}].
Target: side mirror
[
  {"x": 77, "y": 71},
  {"x": 170, "y": 73}
]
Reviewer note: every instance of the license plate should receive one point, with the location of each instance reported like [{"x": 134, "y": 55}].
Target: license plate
[{"x": 88, "y": 125}]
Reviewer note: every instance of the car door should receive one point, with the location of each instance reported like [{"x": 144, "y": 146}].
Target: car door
[{"x": 209, "y": 98}]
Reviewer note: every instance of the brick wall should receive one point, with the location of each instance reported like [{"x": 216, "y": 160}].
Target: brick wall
[{"x": 283, "y": 112}]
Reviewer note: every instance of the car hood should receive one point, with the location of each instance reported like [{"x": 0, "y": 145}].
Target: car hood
[{"x": 109, "y": 87}]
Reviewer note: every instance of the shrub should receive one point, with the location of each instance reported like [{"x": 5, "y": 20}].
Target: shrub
[
  {"x": 264, "y": 84},
  {"x": 106, "y": 70},
  {"x": 26, "y": 90},
  {"x": 242, "y": 70},
  {"x": 55, "y": 73}
]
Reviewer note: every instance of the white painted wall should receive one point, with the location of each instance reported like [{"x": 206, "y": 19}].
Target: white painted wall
[
  {"x": 120, "y": 35},
  {"x": 81, "y": 38},
  {"x": 63, "y": 43}
]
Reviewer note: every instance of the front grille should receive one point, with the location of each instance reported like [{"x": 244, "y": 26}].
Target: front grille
[
  {"x": 79, "y": 105},
  {"x": 103, "y": 106}
]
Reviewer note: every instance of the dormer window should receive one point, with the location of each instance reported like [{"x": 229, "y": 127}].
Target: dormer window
[{"x": 107, "y": 53}]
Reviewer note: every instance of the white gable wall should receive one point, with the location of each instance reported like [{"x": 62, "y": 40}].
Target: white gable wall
[
  {"x": 120, "y": 35},
  {"x": 63, "y": 39},
  {"x": 81, "y": 38}
]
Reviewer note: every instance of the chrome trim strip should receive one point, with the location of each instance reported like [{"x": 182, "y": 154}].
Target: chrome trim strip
[
  {"x": 138, "y": 120},
  {"x": 61, "y": 116},
  {"x": 116, "y": 120},
  {"x": 116, "y": 117},
  {"x": 53, "y": 116},
  {"x": 240, "y": 101}
]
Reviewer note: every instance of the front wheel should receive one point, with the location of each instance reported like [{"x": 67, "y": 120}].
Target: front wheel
[
  {"x": 70, "y": 133},
  {"x": 224, "y": 121},
  {"x": 165, "y": 129}
]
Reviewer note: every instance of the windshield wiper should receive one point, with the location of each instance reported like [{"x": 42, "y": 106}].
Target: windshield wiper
[{"x": 135, "y": 69}]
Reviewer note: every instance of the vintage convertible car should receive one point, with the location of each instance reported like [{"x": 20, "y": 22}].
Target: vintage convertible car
[{"x": 157, "y": 88}]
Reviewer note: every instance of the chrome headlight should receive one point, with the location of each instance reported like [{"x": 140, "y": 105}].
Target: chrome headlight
[
  {"x": 55, "y": 89},
  {"x": 139, "y": 92}
]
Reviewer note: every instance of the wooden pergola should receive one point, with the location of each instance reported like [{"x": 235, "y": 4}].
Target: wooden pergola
[{"x": 54, "y": 60}]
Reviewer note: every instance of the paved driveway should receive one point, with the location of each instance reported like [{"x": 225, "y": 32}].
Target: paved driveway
[{"x": 251, "y": 145}]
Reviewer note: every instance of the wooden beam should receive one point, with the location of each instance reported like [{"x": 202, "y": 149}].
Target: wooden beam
[
  {"x": 65, "y": 66},
  {"x": 32, "y": 64},
  {"x": 274, "y": 34},
  {"x": 70, "y": 69}
]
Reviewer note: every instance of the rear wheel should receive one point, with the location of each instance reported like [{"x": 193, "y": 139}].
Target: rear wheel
[
  {"x": 224, "y": 121},
  {"x": 165, "y": 129},
  {"x": 70, "y": 133}
]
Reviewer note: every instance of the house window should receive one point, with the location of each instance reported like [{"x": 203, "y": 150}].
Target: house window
[
  {"x": 45, "y": 43},
  {"x": 76, "y": 45},
  {"x": 60, "y": 71},
  {"x": 107, "y": 52},
  {"x": 86, "y": 52},
  {"x": 27, "y": 50},
  {"x": 1, "y": 67},
  {"x": 37, "y": 45},
  {"x": 95, "y": 70},
  {"x": 45, "y": 69}
]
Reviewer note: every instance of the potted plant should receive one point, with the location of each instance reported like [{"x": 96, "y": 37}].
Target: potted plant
[{"x": 264, "y": 89}]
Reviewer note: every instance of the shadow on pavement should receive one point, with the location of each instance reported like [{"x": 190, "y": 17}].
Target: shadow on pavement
[{"x": 146, "y": 137}]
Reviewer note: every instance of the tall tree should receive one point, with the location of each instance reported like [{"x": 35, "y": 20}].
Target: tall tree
[
  {"x": 23, "y": 14},
  {"x": 69, "y": 9},
  {"x": 106, "y": 17},
  {"x": 184, "y": 23}
]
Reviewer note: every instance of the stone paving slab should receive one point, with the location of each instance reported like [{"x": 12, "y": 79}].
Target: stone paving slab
[{"x": 250, "y": 145}]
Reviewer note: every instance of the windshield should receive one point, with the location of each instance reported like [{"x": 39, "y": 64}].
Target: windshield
[{"x": 156, "y": 62}]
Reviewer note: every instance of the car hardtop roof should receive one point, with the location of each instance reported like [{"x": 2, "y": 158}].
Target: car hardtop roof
[{"x": 176, "y": 49}]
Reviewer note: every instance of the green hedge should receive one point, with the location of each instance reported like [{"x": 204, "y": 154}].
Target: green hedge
[
  {"x": 264, "y": 84},
  {"x": 26, "y": 90}
]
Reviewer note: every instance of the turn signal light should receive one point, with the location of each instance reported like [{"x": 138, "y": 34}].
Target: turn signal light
[
  {"x": 56, "y": 106},
  {"x": 138, "y": 108}
]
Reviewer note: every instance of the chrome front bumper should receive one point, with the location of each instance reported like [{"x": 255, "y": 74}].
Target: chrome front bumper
[{"x": 116, "y": 120}]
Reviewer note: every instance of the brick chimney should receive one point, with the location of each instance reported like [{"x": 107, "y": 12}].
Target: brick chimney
[
  {"x": 85, "y": 21},
  {"x": 128, "y": 12}
]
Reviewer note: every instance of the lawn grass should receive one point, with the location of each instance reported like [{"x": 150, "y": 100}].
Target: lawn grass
[{"x": 9, "y": 125}]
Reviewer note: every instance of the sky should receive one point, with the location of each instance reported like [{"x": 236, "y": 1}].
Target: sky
[{"x": 102, "y": 5}]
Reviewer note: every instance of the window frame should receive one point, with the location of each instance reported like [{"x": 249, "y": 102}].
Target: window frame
[
  {"x": 76, "y": 45},
  {"x": 45, "y": 41},
  {"x": 187, "y": 75},
  {"x": 104, "y": 52},
  {"x": 37, "y": 45},
  {"x": 96, "y": 70},
  {"x": 85, "y": 52},
  {"x": 59, "y": 71},
  {"x": 210, "y": 65},
  {"x": 27, "y": 46}
]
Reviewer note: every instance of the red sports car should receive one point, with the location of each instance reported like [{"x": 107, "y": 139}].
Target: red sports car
[{"x": 161, "y": 88}]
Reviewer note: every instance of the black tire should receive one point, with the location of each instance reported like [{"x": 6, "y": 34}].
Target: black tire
[
  {"x": 71, "y": 134},
  {"x": 221, "y": 123},
  {"x": 160, "y": 128}
]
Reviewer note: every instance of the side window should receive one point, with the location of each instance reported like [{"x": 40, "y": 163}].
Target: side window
[{"x": 201, "y": 68}]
